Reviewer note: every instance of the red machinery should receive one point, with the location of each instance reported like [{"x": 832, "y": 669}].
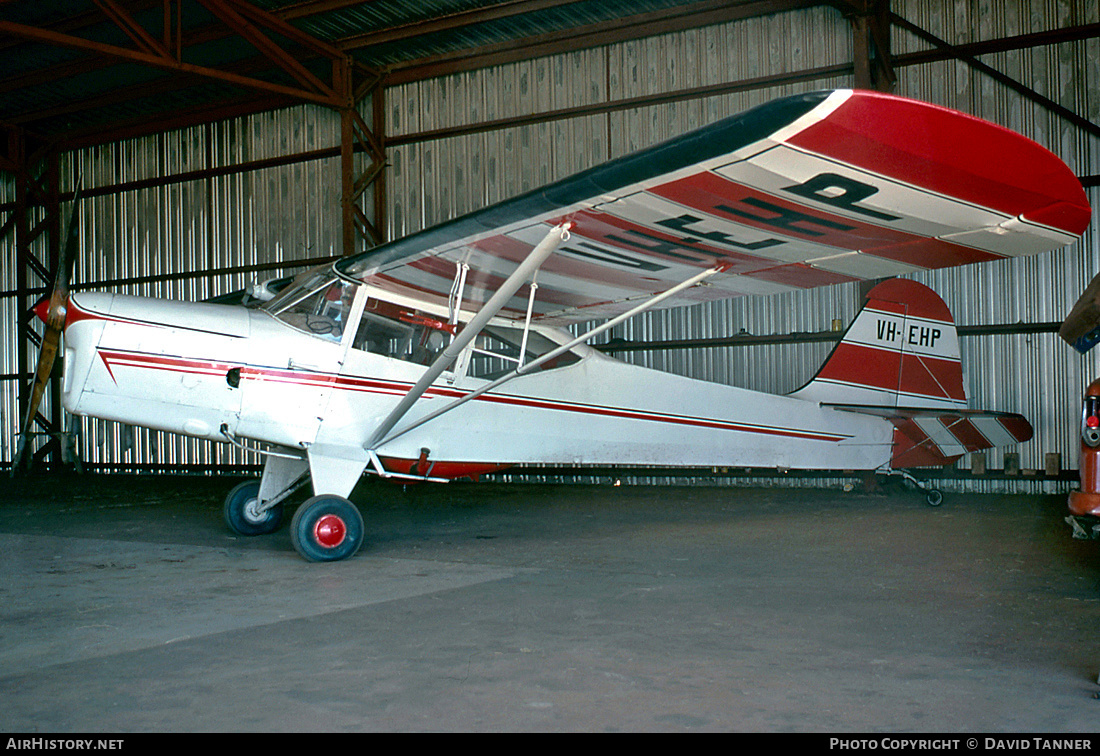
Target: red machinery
[{"x": 1084, "y": 505}]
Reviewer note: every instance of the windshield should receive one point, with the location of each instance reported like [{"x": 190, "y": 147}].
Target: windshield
[
  {"x": 318, "y": 302},
  {"x": 301, "y": 286}
]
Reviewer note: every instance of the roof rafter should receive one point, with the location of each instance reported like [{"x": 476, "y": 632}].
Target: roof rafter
[
  {"x": 622, "y": 29},
  {"x": 448, "y": 22},
  {"x": 239, "y": 17},
  {"x": 215, "y": 59}
]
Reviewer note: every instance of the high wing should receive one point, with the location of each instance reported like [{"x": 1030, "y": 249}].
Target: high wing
[{"x": 806, "y": 191}]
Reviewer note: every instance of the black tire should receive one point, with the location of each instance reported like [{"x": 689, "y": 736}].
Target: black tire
[
  {"x": 238, "y": 516},
  {"x": 934, "y": 498},
  {"x": 326, "y": 528}
]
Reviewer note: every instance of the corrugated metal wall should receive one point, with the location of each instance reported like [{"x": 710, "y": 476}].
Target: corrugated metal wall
[
  {"x": 9, "y": 392},
  {"x": 1036, "y": 374},
  {"x": 292, "y": 212},
  {"x": 177, "y": 240}
]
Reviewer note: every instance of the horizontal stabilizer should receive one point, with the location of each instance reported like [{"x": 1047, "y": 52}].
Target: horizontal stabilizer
[{"x": 931, "y": 438}]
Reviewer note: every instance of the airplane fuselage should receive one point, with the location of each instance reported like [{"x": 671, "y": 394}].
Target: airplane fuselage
[{"x": 227, "y": 372}]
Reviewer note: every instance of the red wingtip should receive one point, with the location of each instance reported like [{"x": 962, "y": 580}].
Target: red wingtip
[{"x": 955, "y": 154}]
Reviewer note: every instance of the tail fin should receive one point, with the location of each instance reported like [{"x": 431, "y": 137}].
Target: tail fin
[
  {"x": 902, "y": 350},
  {"x": 900, "y": 360}
]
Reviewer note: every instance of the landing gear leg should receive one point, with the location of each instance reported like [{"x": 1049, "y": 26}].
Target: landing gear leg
[
  {"x": 244, "y": 515},
  {"x": 932, "y": 495},
  {"x": 255, "y": 506}
]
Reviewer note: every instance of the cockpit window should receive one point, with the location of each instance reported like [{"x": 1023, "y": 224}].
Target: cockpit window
[
  {"x": 497, "y": 352},
  {"x": 414, "y": 336},
  {"x": 401, "y": 333},
  {"x": 318, "y": 304}
]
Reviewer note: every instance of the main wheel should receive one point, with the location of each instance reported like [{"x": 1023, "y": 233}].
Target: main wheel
[
  {"x": 241, "y": 513},
  {"x": 326, "y": 528}
]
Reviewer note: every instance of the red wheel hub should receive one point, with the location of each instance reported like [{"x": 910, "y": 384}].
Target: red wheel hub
[{"x": 330, "y": 531}]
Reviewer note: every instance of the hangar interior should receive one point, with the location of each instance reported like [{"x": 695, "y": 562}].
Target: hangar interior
[{"x": 218, "y": 143}]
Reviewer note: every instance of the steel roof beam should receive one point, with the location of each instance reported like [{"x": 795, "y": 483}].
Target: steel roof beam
[
  {"x": 1021, "y": 89},
  {"x": 240, "y": 18},
  {"x": 227, "y": 13},
  {"x": 871, "y": 46},
  {"x": 591, "y": 35},
  {"x": 135, "y": 31},
  {"x": 84, "y": 19},
  {"x": 157, "y": 61},
  {"x": 446, "y": 23},
  {"x": 1004, "y": 44}
]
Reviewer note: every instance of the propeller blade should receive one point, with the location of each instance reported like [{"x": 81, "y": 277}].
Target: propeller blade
[
  {"x": 1081, "y": 328},
  {"x": 47, "y": 355},
  {"x": 54, "y": 315}
]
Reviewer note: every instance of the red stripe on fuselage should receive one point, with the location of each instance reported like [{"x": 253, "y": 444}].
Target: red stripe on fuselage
[{"x": 394, "y": 388}]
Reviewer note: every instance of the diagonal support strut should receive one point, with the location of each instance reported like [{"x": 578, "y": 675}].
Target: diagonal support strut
[
  {"x": 553, "y": 353},
  {"x": 519, "y": 276}
]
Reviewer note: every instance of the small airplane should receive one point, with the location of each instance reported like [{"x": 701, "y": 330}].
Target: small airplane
[{"x": 446, "y": 354}]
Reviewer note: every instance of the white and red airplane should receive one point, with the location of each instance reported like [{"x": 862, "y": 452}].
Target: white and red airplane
[{"x": 445, "y": 354}]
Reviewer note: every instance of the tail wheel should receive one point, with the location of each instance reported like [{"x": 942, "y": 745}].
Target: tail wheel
[
  {"x": 326, "y": 528},
  {"x": 242, "y": 516}
]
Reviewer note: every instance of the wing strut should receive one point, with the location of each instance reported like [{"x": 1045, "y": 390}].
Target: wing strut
[
  {"x": 519, "y": 276},
  {"x": 522, "y": 369}
]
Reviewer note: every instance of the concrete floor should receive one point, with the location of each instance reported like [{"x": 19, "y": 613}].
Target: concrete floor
[{"x": 126, "y": 606}]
